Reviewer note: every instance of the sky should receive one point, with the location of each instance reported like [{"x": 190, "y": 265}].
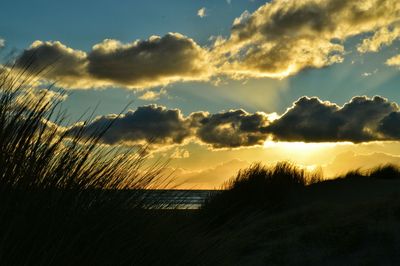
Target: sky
[{"x": 218, "y": 85}]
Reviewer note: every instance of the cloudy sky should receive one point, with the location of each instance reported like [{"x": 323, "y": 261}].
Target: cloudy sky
[{"x": 219, "y": 84}]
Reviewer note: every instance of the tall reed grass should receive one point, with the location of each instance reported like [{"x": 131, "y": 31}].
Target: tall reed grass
[{"x": 63, "y": 195}]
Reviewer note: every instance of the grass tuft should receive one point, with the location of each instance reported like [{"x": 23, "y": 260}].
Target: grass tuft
[{"x": 259, "y": 186}]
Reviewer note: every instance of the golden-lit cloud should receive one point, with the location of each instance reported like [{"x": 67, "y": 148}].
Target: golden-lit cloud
[
  {"x": 209, "y": 177},
  {"x": 152, "y": 95},
  {"x": 141, "y": 64},
  {"x": 201, "y": 12},
  {"x": 39, "y": 98},
  {"x": 283, "y": 37},
  {"x": 349, "y": 160},
  {"x": 394, "y": 61},
  {"x": 180, "y": 153},
  {"x": 383, "y": 37}
]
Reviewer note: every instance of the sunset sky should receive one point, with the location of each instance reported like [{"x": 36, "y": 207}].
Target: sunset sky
[{"x": 217, "y": 85}]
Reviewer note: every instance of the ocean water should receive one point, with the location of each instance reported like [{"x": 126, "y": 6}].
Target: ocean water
[{"x": 177, "y": 199}]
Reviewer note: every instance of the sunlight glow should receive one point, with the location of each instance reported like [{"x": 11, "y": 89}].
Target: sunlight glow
[{"x": 302, "y": 146}]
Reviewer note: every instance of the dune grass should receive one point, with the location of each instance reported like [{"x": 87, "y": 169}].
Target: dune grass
[{"x": 61, "y": 194}]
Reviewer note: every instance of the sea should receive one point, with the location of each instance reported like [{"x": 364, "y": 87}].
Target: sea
[{"x": 177, "y": 199}]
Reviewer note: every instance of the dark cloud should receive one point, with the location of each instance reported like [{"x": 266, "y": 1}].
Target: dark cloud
[
  {"x": 150, "y": 123},
  {"x": 307, "y": 119},
  {"x": 56, "y": 61},
  {"x": 235, "y": 128},
  {"x": 145, "y": 63},
  {"x": 311, "y": 120},
  {"x": 159, "y": 125},
  {"x": 140, "y": 64},
  {"x": 390, "y": 125},
  {"x": 362, "y": 119}
]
